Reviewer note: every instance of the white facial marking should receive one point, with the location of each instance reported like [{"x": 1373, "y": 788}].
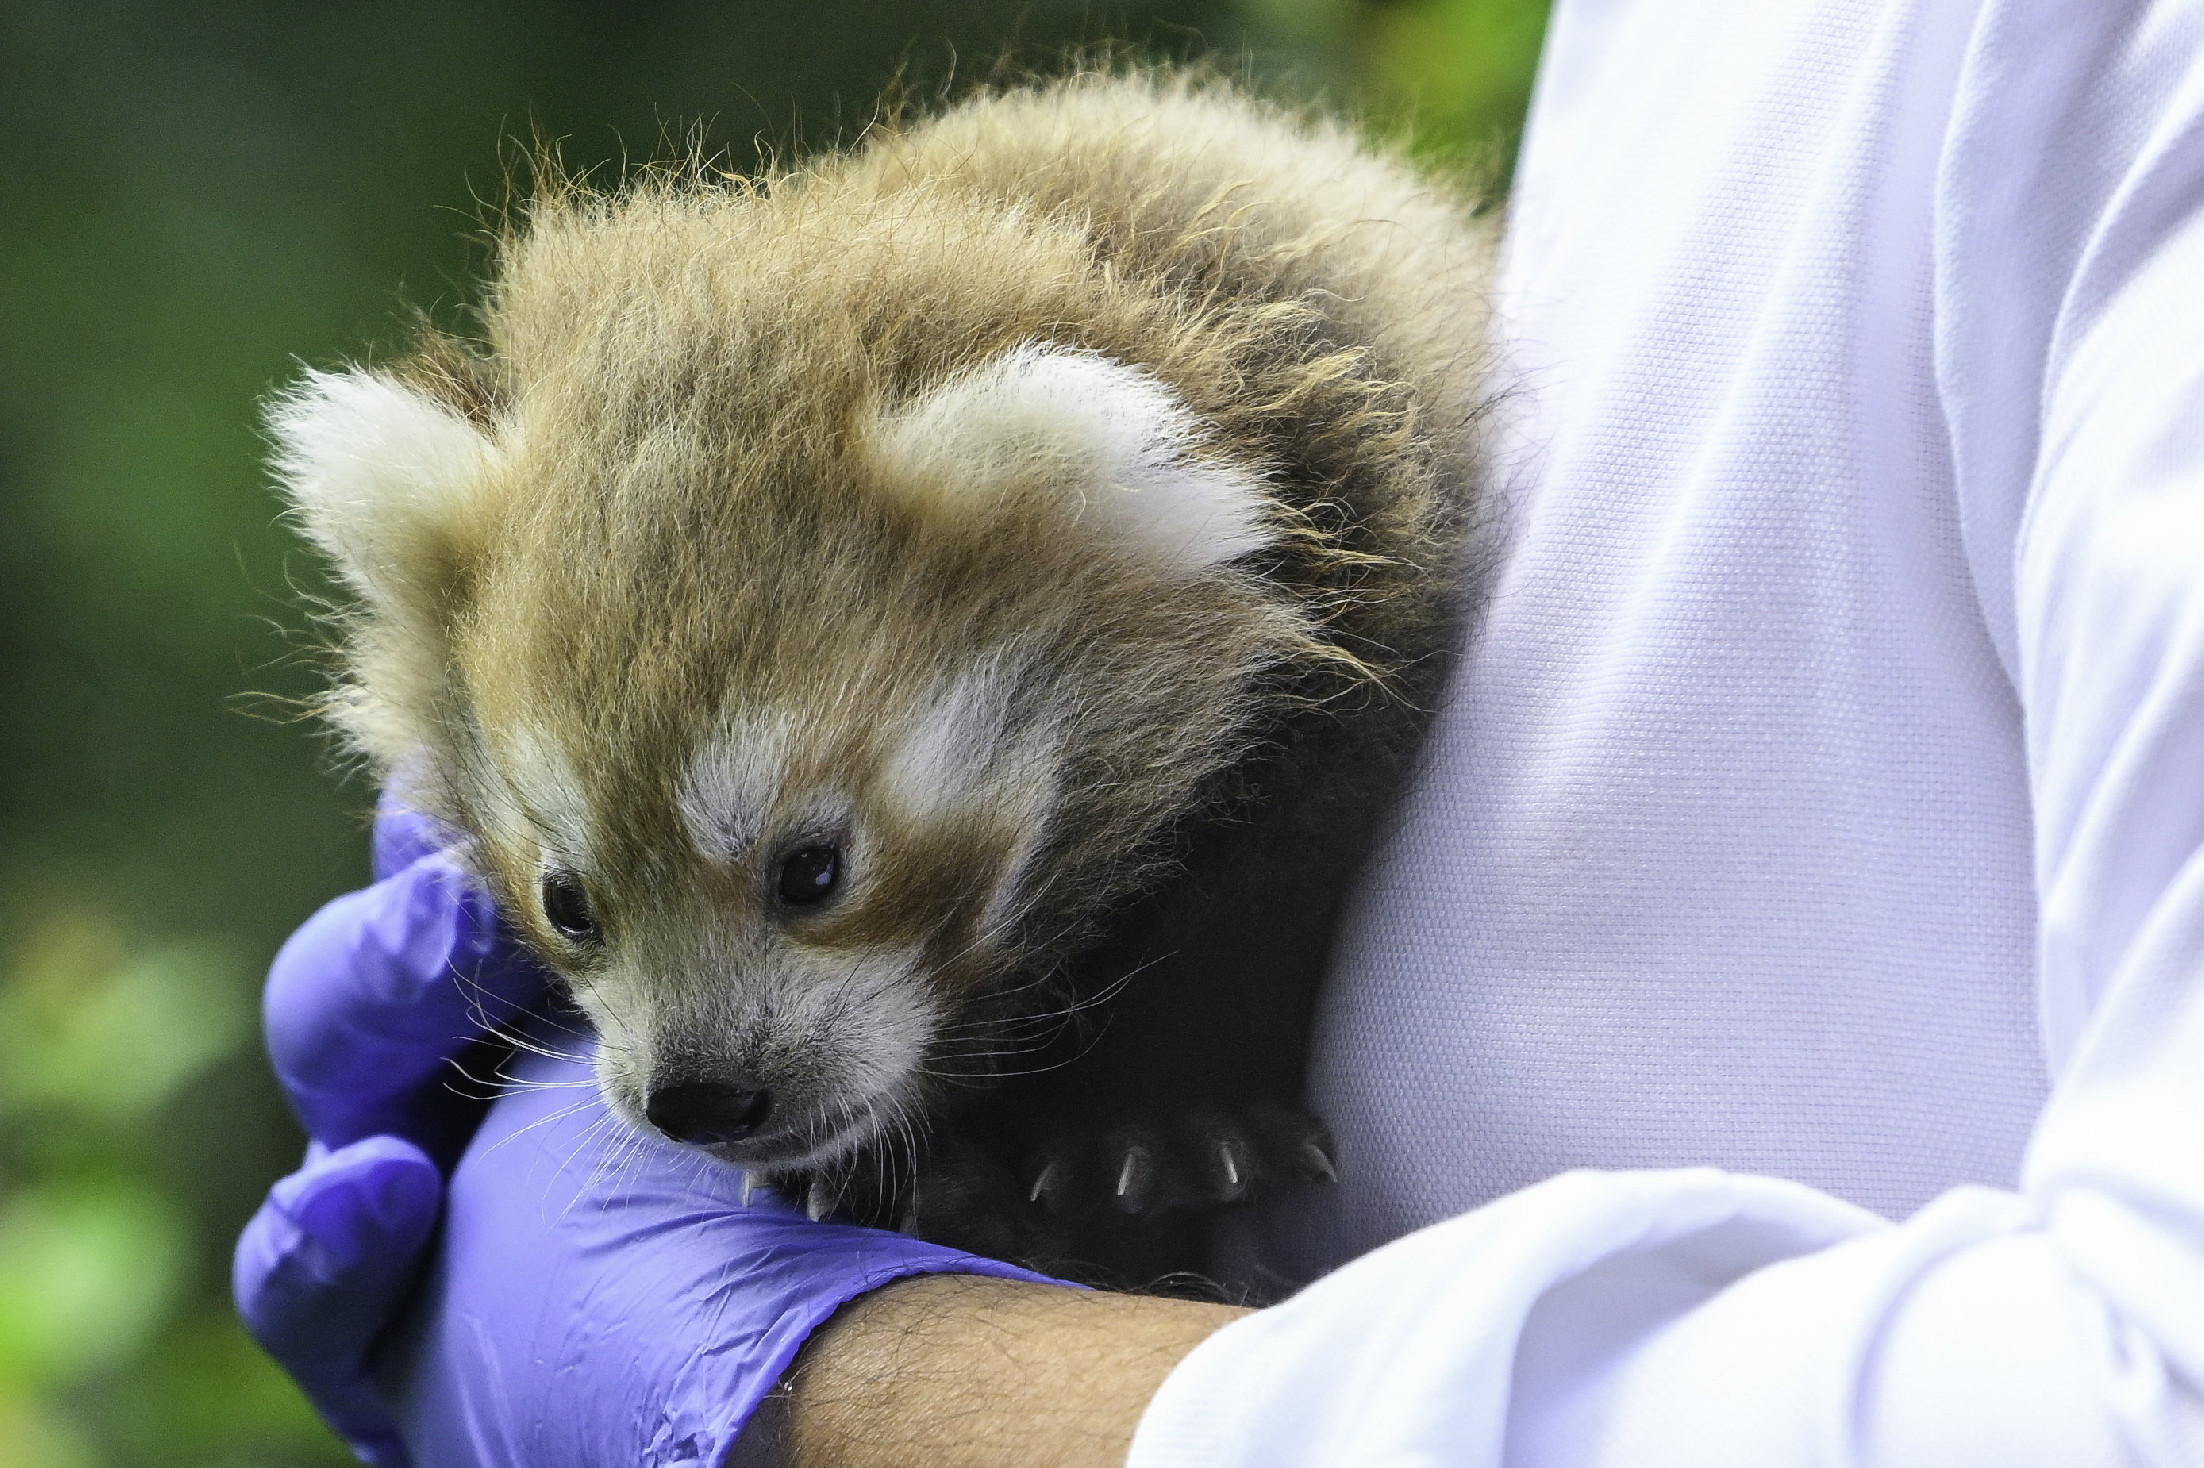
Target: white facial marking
[
  {"x": 950, "y": 741},
  {"x": 372, "y": 467},
  {"x": 1010, "y": 896},
  {"x": 875, "y": 1016},
  {"x": 1119, "y": 429},
  {"x": 540, "y": 800},
  {"x": 959, "y": 758},
  {"x": 732, "y": 783}
]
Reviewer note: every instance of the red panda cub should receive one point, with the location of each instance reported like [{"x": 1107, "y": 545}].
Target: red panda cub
[{"x": 920, "y": 641}]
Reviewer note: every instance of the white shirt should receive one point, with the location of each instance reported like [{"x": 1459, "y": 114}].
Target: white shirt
[{"x": 1814, "y": 842}]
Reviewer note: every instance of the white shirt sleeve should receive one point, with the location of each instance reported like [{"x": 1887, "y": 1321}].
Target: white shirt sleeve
[{"x": 1633, "y": 1320}]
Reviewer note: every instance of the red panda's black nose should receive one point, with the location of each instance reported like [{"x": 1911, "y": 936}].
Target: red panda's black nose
[{"x": 705, "y": 1113}]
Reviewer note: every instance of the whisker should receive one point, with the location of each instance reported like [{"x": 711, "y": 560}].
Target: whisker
[{"x": 562, "y": 1114}]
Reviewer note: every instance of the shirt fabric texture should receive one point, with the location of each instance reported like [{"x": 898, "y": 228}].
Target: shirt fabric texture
[{"x": 1774, "y": 1033}]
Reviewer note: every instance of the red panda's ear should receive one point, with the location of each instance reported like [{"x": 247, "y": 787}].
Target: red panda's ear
[
  {"x": 384, "y": 480},
  {"x": 1114, "y": 444}
]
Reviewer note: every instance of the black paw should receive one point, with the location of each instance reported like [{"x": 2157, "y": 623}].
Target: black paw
[
  {"x": 1115, "y": 1203},
  {"x": 1200, "y": 1158}
]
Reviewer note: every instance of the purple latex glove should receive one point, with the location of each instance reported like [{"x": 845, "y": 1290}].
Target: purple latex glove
[
  {"x": 366, "y": 1006},
  {"x": 371, "y": 999},
  {"x": 599, "y": 1296},
  {"x": 602, "y": 1296}
]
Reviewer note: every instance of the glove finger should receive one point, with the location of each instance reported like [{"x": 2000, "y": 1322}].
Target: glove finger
[
  {"x": 370, "y": 997},
  {"x": 403, "y": 836},
  {"x": 323, "y": 1267}
]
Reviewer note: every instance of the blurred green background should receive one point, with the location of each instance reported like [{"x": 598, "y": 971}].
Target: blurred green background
[{"x": 199, "y": 196}]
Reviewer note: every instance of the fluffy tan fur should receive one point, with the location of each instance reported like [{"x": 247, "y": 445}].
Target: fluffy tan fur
[{"x": 690, "y": 522}]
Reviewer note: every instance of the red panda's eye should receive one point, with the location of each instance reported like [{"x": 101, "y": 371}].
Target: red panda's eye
[
  {"x": 566, "y": 907},
  {"x": 810, "y": 875}
]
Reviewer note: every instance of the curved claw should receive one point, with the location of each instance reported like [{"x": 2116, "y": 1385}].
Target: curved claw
[
  {"x": 820, "y": 1201},
  {"x": 1232, "y": 1179},
  {"x": 1136, "y": 1177},
  {"x": 1318, "y": 1162}
]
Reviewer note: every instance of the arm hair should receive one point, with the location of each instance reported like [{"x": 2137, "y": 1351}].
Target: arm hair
[{"x": 960, "y": 1371}]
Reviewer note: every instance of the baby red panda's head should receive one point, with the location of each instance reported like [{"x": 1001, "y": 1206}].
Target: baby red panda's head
[{"x": 809, "y": 631}]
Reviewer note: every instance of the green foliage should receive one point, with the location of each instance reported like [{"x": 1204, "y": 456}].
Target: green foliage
[
  {"x": 200, "y": 196},
  {"x": 88, "y": 1271},
  {"x": 1451, "y": 77},
  {"x": 1457, "y": 73},
  {"x": 103, "y": 1040}
]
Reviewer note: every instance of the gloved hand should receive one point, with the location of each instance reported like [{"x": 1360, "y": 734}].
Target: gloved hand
[
  {"x": 599, "y": 1295},
  {"x": 366, "y": 1006}
]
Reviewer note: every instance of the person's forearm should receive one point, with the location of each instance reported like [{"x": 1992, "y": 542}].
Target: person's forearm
[{"x": 958, "y": 1371}]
